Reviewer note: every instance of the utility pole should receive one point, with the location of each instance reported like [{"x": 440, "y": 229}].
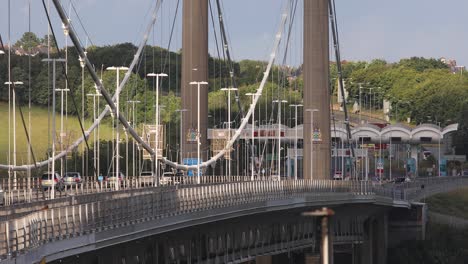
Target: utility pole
[
  {"x": 253, "y": 95},
  {"x": 54, "y": 62},
  {"x": 156, "y": 118},
  {"x": 278, "y": 169},
  {"x": 135, "y": 126},
  {"x": 14, "y": 128},
  {"x": 181, "y": 111},
  {"x": 95, "y": 152},
  {"x": 117, "y": 132},
  {"x": 295, "y": 139},
  {"x": 198, "y": 126},
  {"x": 62, "y": 134},
  {"x": 229, "y": 123}
]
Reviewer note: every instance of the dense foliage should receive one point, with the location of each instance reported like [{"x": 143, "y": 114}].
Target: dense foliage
[{"x": 424, "y": 90}]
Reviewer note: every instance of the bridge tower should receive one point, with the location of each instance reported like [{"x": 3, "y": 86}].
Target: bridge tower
[
  {"x": 194, "y": 69},
  {"x": 316, "y": 90}
]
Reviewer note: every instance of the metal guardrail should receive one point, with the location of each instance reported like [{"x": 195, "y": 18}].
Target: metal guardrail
[
  {"x": 51, "y": 224},
  {"x": 29, "y": 191},
  {"x": 41, "y": 227}
]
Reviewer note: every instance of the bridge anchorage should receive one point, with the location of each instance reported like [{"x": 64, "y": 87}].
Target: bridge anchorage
[{"x": 229, "y": 191}]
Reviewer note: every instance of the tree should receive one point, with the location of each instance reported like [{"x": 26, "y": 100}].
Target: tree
[{"x": 28, "y": 41}]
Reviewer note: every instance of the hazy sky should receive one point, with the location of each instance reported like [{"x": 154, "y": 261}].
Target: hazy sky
[{"x": 369, "y": 28}]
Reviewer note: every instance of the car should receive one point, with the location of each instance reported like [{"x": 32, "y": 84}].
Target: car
[
  {"x": 72, "y": 178},
  {"x": 401, "y": 180},
  {"x": 147, "y": 178},
  {"x": 465, "y": 173},
  {"x": 168, "y": 178},
  {"x": 48, "y": 180},
  {"x": 113, "y": 177},
  {"x": 338, "y": 176}
]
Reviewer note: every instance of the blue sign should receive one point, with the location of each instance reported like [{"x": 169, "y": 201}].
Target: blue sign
[
  {"x": 443, "y": 167},
  {"x": 189, "y": 162},
  {"x": 411, "y": 167}
]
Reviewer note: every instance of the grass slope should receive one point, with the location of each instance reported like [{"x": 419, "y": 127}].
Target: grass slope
[
  {"x": 453, "y": 203},
  {"x": 40, "y": 135}
]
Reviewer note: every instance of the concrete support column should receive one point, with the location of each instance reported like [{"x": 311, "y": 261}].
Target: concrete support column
[
  {"x": 380, "y": 239},
  {"x": 316, "y": 89},
  {"x": 194, "y": 68},
  {"x": 374, "y": 247},
  {"x": 367, "y": 246}
]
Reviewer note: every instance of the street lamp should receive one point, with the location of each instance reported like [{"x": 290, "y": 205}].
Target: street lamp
[
  {"x": 156, "y": 118},
  {"x": 279, "y": 102},
  {"x": 440, "y": 135},
  {"x": 96, "y": 162},
  {"x": 54, "y": 62},
  {"x": 229, "y": 122},
  {"x": 253, "y": 95},
  {"x": 370, "y": 99},
  {"x": 181, "y": 111},
  {"x": 312, "y": 111},
  {"x": 295, "y": 139},
  {"x": 117, "y": 134},
  {"x": 134, "y": 125},
  {"x": 198, "y": 84},
  {"x": 14, "y": 127},
  {"x": 62, "y": 135}
]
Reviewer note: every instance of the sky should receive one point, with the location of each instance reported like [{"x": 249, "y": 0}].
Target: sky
[{"x": 369, "y": 29}]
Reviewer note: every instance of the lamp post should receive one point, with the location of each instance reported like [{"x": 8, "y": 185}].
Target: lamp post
[
  {"x": 14, "y": 127},
  {"x": 312, "y": 111},
  {"x": 134, "y": 125},
  {"x": 252, "y": 95},
  {"x": 198, "y": 84},
  {"x": 229, "y": 122},
  {"x": 62, "y": 135},
  {"x": 96, "y": 174},
  {"x": 156, "y": 118},
  {"x": 181, "y": 111},
  {"x": 360, "y": 106},
  {"x": 279, "y": 102},
  {"x": 54, "y": 62},
  {"x": 117, "y": 132},
  {"x": 295, "y": 139},
  {"x": 370, "y": 101},
  {"x": 440, "y": 135}
]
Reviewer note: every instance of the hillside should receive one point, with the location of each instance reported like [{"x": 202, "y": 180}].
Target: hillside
[{"x": 40, "y": 137}]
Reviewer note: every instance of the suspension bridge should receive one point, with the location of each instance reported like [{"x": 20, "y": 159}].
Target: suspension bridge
[{"x": 259, "y": 190}]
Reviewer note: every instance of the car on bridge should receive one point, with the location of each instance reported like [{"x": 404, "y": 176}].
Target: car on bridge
[
  {"x": 112, "y": 178},
  {"x": 72, "y": 178},
  {"x": 48, "y": 180},
  {"x": 147, "y": 178},
  {"x": 169, "y": 177}
]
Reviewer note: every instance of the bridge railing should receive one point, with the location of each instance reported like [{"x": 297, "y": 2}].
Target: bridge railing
[
  {"x": 427, "y": 187},
  {"x": 38, "y": 228},
  {"x": 31, "y": 190}
]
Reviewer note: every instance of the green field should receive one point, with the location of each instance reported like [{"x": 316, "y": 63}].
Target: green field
[
  {"x": 40, "y": 134},
  {"x": 453, "y": 203}
]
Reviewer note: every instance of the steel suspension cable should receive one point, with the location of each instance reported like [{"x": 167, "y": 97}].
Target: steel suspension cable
[
  {"x": 100, "y": 86},
  {"x": 334, "y": 26}
]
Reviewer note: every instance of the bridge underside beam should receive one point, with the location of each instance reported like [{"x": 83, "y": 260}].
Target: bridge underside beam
[{"x": 316, "y": 90}]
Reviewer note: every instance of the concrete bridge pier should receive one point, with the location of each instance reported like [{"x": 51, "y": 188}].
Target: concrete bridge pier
[{"x": 374, "y": 247}]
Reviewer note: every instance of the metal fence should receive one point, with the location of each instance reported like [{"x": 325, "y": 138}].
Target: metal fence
[
  {"x": 29, "y": 190},
  {"x": 33, "y": 230},
  {"x": 133, "y": 204}
]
